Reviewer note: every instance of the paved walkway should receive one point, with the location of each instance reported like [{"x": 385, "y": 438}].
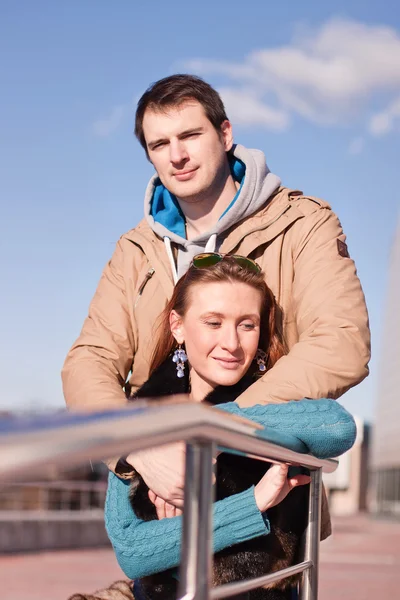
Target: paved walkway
[{"x": 360, "y": 562}]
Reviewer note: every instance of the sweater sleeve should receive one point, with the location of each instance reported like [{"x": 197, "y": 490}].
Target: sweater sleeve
[
  {"x": 324, "y": 426},
  {"x": 146, "y": 547}
]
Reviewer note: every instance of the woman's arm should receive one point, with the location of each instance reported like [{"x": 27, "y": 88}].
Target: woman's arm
[
  {"x": 146, "y": 547},
  {"x": 324, "y": 426}
]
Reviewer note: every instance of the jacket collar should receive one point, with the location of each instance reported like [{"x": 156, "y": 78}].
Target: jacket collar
[{"x": 266, "y": 224}]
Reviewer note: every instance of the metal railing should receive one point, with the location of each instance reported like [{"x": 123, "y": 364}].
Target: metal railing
[{"x": 26, "y": 446}]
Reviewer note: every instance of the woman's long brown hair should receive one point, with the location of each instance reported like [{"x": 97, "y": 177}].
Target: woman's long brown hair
[{"x": 227, "y": 270}]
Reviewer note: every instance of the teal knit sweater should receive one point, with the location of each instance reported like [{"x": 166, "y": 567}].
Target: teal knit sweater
[{"x": 143, "y": 548}]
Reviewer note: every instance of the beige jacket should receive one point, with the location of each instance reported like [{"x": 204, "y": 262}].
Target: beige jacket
[{"x": 299, "y": 243}]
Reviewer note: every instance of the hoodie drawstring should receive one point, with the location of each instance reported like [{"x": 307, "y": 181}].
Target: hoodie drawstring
[
  {"x": 168, "y": 248},
  {"x": 209, "y": 247},
  {"x": 211, "y": 244}
]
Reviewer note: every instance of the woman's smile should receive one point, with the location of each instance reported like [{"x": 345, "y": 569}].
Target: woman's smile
[{"x": 228, "y": 363}]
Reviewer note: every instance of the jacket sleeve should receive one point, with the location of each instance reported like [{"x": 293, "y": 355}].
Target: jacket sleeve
[
  {"x": 333, "y": 349},
  {"x": 146, "y": 547},
  {"x": 98, "y": 363}
]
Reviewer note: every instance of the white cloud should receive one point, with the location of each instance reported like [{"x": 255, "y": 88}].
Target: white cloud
[
  {"x": 107, "y": 126},
  {"x": 337, "y": 74},
  {"x": 331, "y": 75},
  {"x": 356, "y": 146},
  {"x": 385, "y": 121},
  {"x": 244, "y": 108},
  {"x": 380, "y": 123}
]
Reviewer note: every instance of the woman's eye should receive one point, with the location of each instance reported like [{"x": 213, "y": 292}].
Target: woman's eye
[
  {"x": 248, "y": 326},
  {"x": 213, "y": 323}
]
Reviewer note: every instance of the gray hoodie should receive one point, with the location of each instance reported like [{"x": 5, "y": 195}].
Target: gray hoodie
[{"x": 163, "y": 213}]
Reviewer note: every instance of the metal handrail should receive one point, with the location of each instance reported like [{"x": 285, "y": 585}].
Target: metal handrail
[{"x": 26, "y": 446}]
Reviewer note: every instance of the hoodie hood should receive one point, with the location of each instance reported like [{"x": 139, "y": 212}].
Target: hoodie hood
[{"x": 166, "y": 219}]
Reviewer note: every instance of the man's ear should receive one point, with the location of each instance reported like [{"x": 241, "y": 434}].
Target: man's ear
[
  {"x": 227, "y": 135},
  {"x": 176, "y": 326}
]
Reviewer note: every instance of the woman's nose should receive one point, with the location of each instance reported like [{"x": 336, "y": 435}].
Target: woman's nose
[{"x": 230, "y": 339}]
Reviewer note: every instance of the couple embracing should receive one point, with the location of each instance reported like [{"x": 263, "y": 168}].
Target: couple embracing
[{"x": 240, "y": 292}]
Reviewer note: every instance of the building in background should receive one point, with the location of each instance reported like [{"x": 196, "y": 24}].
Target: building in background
[
  {"x": 347, "y": 486},
  {"x": 385, "y": 460}
]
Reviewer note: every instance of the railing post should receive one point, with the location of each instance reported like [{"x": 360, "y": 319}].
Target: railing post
[
  {"x": 197, "y": 535},
  {"x": 309, "y": 585}
]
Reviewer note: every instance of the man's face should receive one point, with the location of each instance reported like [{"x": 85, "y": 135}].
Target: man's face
[{"x": 187, "y": 152}]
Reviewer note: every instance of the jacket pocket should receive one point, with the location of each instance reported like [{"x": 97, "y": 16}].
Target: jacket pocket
[{"x": 147, "y": 278}]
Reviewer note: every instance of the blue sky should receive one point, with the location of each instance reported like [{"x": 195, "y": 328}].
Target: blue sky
[{"x": 316, "y": 88}]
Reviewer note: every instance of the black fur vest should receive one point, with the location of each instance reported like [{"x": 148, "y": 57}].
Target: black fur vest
[{"x": 265, "y": 554}]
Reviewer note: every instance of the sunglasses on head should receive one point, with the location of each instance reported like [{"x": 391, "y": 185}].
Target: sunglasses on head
[{"x": 209, "y": 259}]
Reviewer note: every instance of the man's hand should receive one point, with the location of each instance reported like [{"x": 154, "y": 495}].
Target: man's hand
[
  {"x": 163, "y": 470},
  {"x": 164, "y": 510}
]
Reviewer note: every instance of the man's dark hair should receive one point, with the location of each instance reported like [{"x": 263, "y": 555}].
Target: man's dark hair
[{"x": 174, "y": 90}]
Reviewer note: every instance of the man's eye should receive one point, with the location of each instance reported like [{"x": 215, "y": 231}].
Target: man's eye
[{"x": 157, "y": 146}]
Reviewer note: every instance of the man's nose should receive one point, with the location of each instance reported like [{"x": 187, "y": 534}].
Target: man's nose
[{"x": 177, "y": 151}]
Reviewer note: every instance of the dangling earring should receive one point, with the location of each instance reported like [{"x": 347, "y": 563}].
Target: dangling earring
[
  {"x": 179, "y": 357},
  {"x": 261, "y": 359}
]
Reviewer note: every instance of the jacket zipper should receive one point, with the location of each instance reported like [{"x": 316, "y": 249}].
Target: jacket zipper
[{"x": 148, "y": 276}]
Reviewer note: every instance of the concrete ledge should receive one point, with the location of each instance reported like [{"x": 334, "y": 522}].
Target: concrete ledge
[{"x": 26, "y": 531}]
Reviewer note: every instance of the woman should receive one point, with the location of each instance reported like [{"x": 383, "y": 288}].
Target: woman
[{"x": 225, "y": 316}]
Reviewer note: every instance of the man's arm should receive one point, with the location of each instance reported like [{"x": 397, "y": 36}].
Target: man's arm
[
  {"x": 98, "y": 363},
  {"x": 333, "y": 350}
]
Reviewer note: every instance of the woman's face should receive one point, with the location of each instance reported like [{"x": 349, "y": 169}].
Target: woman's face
[{"x": 221, "y": 330}]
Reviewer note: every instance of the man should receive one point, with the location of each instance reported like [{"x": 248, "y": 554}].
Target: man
[{"x": 207, "y": 195}]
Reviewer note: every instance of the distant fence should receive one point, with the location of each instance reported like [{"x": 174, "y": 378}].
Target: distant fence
[
  {"x": 386, "y": 485},
  {"x": 53, "y": 496},
  {"x": 52, "y": 515}
]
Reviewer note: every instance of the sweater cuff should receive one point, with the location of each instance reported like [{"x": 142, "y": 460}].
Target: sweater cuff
[{"x": 245, "y": 518}]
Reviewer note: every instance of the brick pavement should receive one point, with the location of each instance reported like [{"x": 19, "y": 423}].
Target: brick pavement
[{"x": 360, "y": 562}]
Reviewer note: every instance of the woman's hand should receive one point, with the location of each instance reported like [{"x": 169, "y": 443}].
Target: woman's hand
[
  {"x": 269, "y": 491},
  {"x": 275, "y": 486},
  {"x": 164, "y": 509}
]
